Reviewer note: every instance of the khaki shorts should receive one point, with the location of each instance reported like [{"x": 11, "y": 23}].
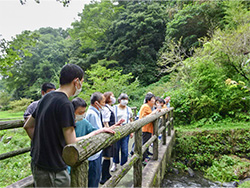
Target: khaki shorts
[{"x": 44, "y": 178}]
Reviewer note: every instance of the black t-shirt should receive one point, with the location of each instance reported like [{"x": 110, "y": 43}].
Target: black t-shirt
[{"x": 54, "y": 112}]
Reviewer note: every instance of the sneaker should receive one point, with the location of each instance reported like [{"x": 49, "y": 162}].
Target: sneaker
[
  {"x": 145, "y": 162},
  {"x": 114, "y": 167}
]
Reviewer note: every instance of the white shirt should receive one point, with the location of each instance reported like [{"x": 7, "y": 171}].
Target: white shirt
[
  {"x": 106, "y": 113},
  {"x": 125, "y": 113}
]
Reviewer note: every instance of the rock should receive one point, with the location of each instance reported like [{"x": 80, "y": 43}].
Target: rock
[
  {"x": 228, "y": 184},
  {"x": 235, "y": 184},
  {"x": 175, "y": 170},
  {"x": 190, "y": 172}
]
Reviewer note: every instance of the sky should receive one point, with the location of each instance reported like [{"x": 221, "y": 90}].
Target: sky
[{"x": 15, "y": 18}]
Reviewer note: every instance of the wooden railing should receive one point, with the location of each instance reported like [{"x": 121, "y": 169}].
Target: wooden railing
[
  {"x": 4, "y": 125},
  {"x": 13, "y": 124},
  {"x": 76, "y": 154}
]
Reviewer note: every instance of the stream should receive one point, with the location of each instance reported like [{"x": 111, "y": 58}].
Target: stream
[{"x": 185, "y": 180}]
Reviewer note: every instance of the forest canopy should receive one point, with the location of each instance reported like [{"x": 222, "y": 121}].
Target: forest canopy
[{"x": 197, "y": 52}]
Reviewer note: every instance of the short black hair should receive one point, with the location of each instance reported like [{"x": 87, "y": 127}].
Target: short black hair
[
  {"x": 161, "y": 100},
  {"x": 97, "y": 96},
  {"x": 47, "y": 86},
  {"x": 78, "y": 102},
  {"x": 148, "y": 97},
  {"x": 122, "y": 96},
  {"x": 69, "y": 72}
]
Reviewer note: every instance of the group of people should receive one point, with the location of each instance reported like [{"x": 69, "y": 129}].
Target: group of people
[{"x": 54, "y": 121}]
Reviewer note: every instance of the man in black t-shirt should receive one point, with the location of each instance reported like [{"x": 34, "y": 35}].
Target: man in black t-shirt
[{"x": 51, "y": 127}]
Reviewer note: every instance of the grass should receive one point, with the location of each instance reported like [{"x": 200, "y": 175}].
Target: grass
[
  {"x": 18, "y": 167},
  {"x": 8, "y": 114},
  {"x": 246, "y": 184},
  {"x": 223, "y": 124}
]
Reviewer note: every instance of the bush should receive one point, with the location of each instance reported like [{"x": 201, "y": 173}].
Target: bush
[
  {"x": 4, "y": 100},
  {"x": 228, "y": 168},
  {"x": 20, "y": 105},
  {"x": 246, "y": 184}
]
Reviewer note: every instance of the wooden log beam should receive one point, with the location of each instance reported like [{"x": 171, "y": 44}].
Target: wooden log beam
[
  {"x": 11, "y": 124},
  {"x": 25, "y": 182},
  {"x": 137, "y": 174},
  {"x": 172, "y": 119},
  {"x": 164, "y": 138},
  {"x": 161, "y": 130},
  {"x": 112, "y": 182},
  {"x": 74, "y": 154},
  {"x": 14, "y": 118},
  {"x": 79, "y": 177},
  {"x": 134, "y": 111},
  {"x": 149, "y": 142},
  {"x": 169, "y": 125},
  {"x": 155, "y": 143},
  {"x": 14, "y": 153}
]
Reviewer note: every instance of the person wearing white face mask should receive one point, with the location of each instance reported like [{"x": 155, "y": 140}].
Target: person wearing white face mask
[
  {"x": 84, "y": 127},
  {"x": 108, "y": 119},
  {"x": 54, "y": 122},
  {"x": 160, "y": 103},
  {"x": 122, "y": 111}
]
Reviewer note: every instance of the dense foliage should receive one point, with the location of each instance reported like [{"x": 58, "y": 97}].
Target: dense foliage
[
  {"x": 220, "y": 153},
  {"x": 16, "y": 168},
  {"x": 197, "y": 52}
]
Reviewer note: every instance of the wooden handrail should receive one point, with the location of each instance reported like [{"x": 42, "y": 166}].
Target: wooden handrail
[
  {"x": 74, "y": 154},
  {"x": 11, "y": 124},
  {"x": 77, "y": 154},
  {"x": 122, "y": 172},
  {"x": 14, "y": 153}
]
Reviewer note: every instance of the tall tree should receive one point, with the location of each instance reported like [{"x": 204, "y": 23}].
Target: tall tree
[
  {"x": 89, "y": 33},
  {"x": 30, "y": 72},
  {"x": 195, "y": 20},
  {"x": 135, "y": 38},
  {"x": 15, "y": 50}
]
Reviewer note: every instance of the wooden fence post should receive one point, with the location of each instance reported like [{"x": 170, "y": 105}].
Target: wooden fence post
[
  {"x": 138, "y": 166},
  {"x": 172, "y": 119},
  {"x": 134, "y": 112},
  {"x": 79, "y": 175},
  {"x": 164, "y": 131},
  {"x": 155, "y": 143},
  {"x": 169, "y": 124}
]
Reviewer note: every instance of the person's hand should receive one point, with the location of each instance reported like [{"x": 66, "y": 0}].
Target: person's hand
[
  {"x": 156, "y": 110},
  {"x": 120, "y": 122},
  {"x": 131, "y": 135},
  {"x": 167, "y": 99},
  {"x": 107, "y": 130}
]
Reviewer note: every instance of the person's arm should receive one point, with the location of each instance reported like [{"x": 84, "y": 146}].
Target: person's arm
[
  {"x": 156, "y": 110},
  {"x": 26, "y": 118},
  {"x": 103, "y": 130},
  {"x": 70, "y": 135},
  {"x": 29, "y": 127},
  {"x": 106, "y": 124},
  {"x": 119, "y": 123}
]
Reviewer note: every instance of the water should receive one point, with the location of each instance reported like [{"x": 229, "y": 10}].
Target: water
[{"x": 185, "y": 180}]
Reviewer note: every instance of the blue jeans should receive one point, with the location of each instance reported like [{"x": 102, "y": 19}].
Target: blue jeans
[
  {"x": 123, "y": 144},
  {"x": 95, "y": 169}
]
